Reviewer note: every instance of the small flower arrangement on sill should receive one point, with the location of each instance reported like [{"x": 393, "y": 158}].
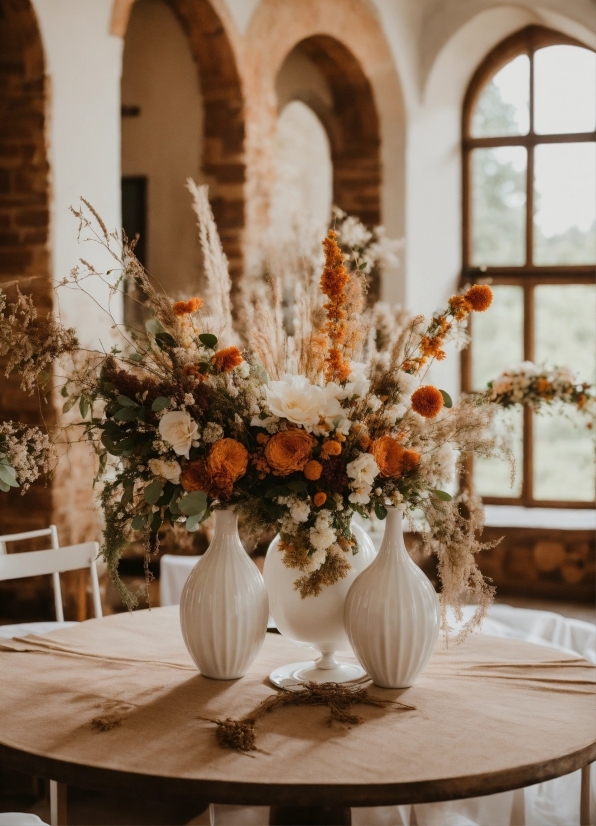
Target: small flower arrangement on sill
[
  {"x": 540, "y": 387},
  {"x": 296, "y": 431}
]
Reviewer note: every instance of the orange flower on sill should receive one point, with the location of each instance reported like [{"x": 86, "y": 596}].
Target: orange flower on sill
[
  {"x": 181, "y": 308},
  {"x": 319, "y": 499},
  {"x": 226, "y": 359},
  {"x": 427, "y": 401},
  {"x": 479, "y": 297},
  {"x": 545, "y": 388}
]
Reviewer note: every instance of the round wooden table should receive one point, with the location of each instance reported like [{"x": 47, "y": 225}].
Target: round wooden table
[{"x": 117, "y": 704}]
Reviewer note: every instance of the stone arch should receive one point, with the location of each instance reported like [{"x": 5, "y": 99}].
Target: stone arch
[
  {"x": 352, "y": 125},
  {"x": 213, "y": 43},
  {"x": 365, "y": 124},
  {"x": 24, "y": 213}
]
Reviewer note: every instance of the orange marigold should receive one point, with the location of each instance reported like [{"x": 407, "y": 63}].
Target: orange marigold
[
  {"x": 392, "y": 459},
  {"x": 227, "y": 462},
  {"x": 313, "y": 470},
  {"x": 427, "y": 401},
  {"x": 479, "y": 297},
  {"x": 226, "y": 359},
  {"x": 319, "y": 499},
  {"x": 330, "y": 448},
  {"x": 289, "y": 451},
  {"x": 186, "y": 307}
]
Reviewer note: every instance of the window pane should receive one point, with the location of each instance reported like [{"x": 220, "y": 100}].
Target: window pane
[
  {"x": 565, "y": 203},
  {"x": 498, "y": 206},
  {"x": 503, "y": 108},
  {"x": 565, "y": 327},
  {"x": 564, "y": 90},
  {"x": 498, "y": 336},
  {"x": 565, "y": 336},
  {"x": 563, "y": 457},
  {"x": 492, "y": 477}
]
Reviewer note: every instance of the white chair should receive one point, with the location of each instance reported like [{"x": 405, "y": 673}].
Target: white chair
[
  {"x": 53, "y": 561},
  {"x": 35, "y": 563}
]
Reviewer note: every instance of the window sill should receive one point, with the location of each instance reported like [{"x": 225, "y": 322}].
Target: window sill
[{"x": 515, "y": 516}]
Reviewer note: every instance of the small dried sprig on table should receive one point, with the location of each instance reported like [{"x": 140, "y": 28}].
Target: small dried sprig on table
[{"x": 339, "y": 699}]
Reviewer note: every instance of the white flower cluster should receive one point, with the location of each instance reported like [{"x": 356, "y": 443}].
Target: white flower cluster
[
  {"x": 25, "y": 452},
  {"x": 528, "y": 383},
  {"x": 322, "y": 537},
  {"x": 363, "y": 470}
]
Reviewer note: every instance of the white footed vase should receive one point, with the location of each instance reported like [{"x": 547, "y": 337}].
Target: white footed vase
[
  {"x": 318, "y": 621},
  {"x": 224, "y": 607},
  {"x": 391, "y": 613}
]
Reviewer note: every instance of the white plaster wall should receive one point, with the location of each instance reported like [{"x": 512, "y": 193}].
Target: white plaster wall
[
  {"x": 83, "y": 67},
  {"x": 165, "y": 141}
]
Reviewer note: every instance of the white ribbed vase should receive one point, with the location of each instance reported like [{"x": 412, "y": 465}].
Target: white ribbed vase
[
  {"x": 391, "y": 614},
  {"x": 224, "y": 606}
]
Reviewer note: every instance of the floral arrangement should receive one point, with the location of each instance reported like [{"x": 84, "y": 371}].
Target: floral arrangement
[
  {"x": 536, "y": 387},
  {"x": 294, "y": 431},
  {"x": 25, "y": 452}
]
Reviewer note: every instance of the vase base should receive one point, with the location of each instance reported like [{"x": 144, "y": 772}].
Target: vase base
[{"x": 297, "y": 674}]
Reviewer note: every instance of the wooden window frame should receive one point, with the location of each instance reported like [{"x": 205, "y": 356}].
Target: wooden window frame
[{"x": 527, "y": 276}]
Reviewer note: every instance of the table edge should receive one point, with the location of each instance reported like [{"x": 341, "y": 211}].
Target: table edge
[{"x": 281, "y": 794}]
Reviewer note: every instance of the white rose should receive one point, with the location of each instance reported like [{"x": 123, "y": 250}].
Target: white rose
[
  {"x": 178, "y": 429},
  {"x": 300, "y": 402},
  {"x": 361, "y": 495},
  {"x": 167, "y": 468},
  {"x": 363, "y": 469}
]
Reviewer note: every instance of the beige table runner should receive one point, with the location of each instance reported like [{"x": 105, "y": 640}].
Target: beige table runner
[{"x": 485, "y": 706}]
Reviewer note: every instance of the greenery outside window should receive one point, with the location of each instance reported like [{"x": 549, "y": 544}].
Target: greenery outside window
[{"x": 529, "y": 229}]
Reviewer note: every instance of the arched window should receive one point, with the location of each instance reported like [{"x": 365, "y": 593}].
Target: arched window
[{"x": 529, "y": 229}]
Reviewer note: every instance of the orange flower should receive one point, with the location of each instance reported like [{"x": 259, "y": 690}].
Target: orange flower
[
  {"x": 365, "y": 442},
  {"x": 186, "y": 307},
  {"x": 289, "y": 450},
  {"x": 196, "y": 477},
  {"x": 545, "y": 388},
  {"x": 226, "y": 359},
  {"x": 262, "y": 438},
  {"x": 319, "y": 498},
  {"x": 427, "y": 401},
  {"x": 227, "y": 462},
  {"x": 330, "y": 448},
  {"x": 479, "y": 297},
  {"x": 313, "y": 470},
  {"x": 193, "y": 370},
  {"x": 459, "y": 306},
  {"x": 392, "y": 459}
]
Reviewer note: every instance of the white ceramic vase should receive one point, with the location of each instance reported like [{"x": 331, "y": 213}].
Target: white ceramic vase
[
  {"x": 392, "y": 614},
  {"x": 314, "y": 621},
  {"x": 224, "y": 607}
]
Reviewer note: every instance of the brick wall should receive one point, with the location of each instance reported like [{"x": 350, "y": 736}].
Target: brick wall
[{"x": 24, "y": 219}]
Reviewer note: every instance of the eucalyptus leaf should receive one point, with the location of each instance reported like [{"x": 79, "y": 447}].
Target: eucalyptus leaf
[
  {"x": 69, "y": 404},
  {"x": 153, "y": 326},
  {"x": 83, "y": 407},
  {"x": 153, "y": 491},
  {"x": 127, "y": 414},
  {"x": 165, "y": 340},
  {"x": 126, "y": 402},
  {"x": 64, "y": 392},
  {"x": 160, "y": 403},
  {"x": 297, "y": 486},
  {"x": 209, "y": 340},
  {"x": 138, "y": 523},
  {"x": 8, "y": 475},
  {"x": 4, "y": 487},
  {"x": 380, "y": 510},
  {"x": 194, "y": 503},
  {"x": 447, "y": 401},
  {"x": 155, "y": 522},
  {"x": 442, "y": 495},
  {"x": 136, "y": 357}
]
